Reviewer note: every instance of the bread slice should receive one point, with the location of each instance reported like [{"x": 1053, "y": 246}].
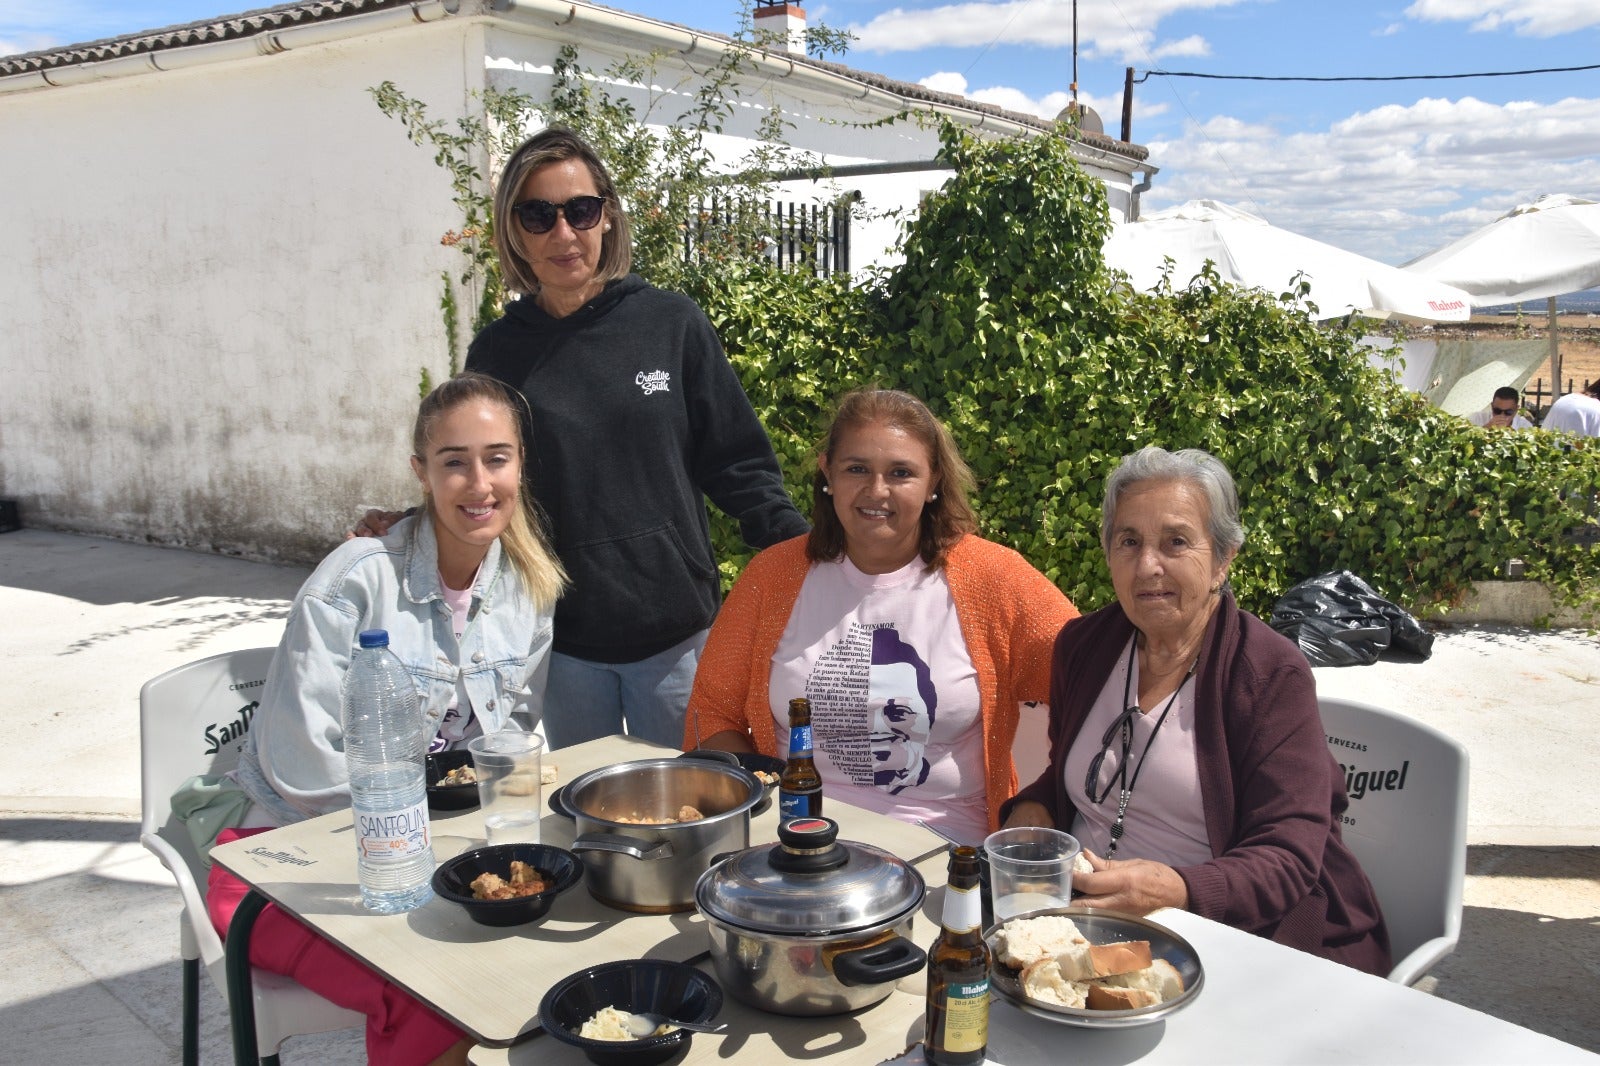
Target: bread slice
[
  {"x": 1099, "y": 997},
  {"x": 1087, "y": 962},
  {"x": 1160, "y": 977},
  {"x": 1024, "y": 940},
  {"x": 1042, "y": 982}
]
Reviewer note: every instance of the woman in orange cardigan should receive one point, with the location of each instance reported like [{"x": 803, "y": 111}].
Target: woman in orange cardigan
[{"x": 914, "y": 639}]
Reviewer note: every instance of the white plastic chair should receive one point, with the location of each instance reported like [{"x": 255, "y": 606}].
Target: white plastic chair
[
  {"x": 1407, "y": 826},
  {"x": 193, "y": 720}
]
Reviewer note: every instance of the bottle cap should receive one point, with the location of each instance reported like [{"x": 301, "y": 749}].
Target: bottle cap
[{"x": 374, "y": 638}]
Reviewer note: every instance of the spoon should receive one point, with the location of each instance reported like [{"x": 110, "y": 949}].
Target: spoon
[{"x": 645, "y": 1025}]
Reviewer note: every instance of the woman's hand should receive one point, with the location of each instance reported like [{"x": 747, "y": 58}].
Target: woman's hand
[
  {"x": 375, "y": 523},
  {"x": 1029, "y": 812},
  {"x": 1137, "y": 886}
]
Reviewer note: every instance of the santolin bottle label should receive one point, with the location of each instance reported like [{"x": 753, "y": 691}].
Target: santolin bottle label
[
  {"x": 392, "y": 836},
  {"x": 966, "y": 1022}
]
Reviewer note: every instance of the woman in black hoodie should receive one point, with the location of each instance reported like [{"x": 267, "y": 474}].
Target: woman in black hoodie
[{"x": 636, "y": 418}]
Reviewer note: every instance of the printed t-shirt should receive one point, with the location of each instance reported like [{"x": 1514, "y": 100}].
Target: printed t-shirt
[
  {"x": 1165, "y": 821},
  {"x": 894, "y": 695},
  {"x": 457, "y": 726}
]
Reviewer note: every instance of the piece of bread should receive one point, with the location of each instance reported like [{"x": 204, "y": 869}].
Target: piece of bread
[
  {"x": 1126, "y": 957},
  {"x": 1100, "y": 997},
  {"x": 1160, "y": 977},
  {"x": 1043, "y": 983},
  {"x": 1024, "y": 940},
  {"x": 1080, "y": 865},
  {"x": 1087, "y": 962}
]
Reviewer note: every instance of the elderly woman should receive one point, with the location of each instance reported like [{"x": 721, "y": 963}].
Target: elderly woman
[
  {"x": 635, "y": 418},
  {"x": 1186, "y": 751},
  {"x": 914, "y": 638}
]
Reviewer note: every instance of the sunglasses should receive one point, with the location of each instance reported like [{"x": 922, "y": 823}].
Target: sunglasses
[
  {"x": 539, "y": 216},
  {"x": 1123, "y": 724},
  {"x": 1503, "y": 410}
]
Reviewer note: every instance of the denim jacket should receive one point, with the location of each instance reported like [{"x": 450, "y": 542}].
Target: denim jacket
[{"x": 292, "y": 763}]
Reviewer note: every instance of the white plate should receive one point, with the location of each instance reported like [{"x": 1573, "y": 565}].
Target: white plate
[{"x": 1107, "y": 927}]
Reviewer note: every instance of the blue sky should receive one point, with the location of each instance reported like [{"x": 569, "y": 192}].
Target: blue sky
[{"x": 1390, "y": 169}]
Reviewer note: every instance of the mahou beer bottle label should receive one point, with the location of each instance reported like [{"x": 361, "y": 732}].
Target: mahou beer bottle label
[{"x": 966, "y": 1020}]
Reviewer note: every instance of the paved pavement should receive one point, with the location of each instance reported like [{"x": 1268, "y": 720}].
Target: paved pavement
[{"x": 88, "y": 965}]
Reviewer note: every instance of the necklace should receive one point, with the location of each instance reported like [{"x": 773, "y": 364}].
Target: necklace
[{"x": 1124, "y": 726}]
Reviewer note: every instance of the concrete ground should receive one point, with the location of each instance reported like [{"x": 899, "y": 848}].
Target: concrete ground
[{"x": 89, "y": 963}]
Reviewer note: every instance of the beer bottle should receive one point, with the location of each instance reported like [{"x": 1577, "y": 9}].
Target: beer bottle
[
  {"x": 800, "y": 787},
  {"x": 957, "y": 1026}
]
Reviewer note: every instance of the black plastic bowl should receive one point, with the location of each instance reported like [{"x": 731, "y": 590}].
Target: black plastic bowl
[
  {"x": 674, "y": 989},
  {"x": 453, "y": 880},
  {"x": 449, "y": 797}
]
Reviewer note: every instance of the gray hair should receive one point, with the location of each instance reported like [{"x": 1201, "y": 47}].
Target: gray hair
[{"x": 1199, "y": 468}]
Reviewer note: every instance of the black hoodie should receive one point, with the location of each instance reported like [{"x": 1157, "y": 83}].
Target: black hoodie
[{"x": 636, "y": 418}]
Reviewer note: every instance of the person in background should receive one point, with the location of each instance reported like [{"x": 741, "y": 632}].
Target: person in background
[
  {"x": 1576, "y": 412},
  {"x": 1186, "y": 750},
  {"x": 635, "y": 418},
  {"x": 915, "y": 639},
  {"x": 466, "y": 589},
  {"x": 1503, "y": 412}
]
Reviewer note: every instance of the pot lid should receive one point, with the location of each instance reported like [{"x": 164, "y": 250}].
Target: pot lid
[{"x": 809, "y": 884}]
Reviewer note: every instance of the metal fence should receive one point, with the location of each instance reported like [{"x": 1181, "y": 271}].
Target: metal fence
[
  {"x": 791, "y": 234},
  {"x": 1534, "y": 397}
]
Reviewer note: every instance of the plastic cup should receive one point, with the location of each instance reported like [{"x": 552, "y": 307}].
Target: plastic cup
[
  {"x": 1030, "y": 869},
  {"x": 509, "y": 787}
]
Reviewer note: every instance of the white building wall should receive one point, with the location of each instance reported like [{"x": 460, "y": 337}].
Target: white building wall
[{"x": 220, "y": 286}]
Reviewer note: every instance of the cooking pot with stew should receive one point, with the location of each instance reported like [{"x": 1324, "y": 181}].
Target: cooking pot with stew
[
  {"x": 643, "y": 849},
  {"x": 811, "y": 925}
]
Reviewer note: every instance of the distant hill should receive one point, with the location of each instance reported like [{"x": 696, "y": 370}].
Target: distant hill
[{"x": 1574, "y": 303}]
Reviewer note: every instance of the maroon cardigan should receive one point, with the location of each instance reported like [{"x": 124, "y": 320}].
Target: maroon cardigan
[{"x": 1271, "y": 790}]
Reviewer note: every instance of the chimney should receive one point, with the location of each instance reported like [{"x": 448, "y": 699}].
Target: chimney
[{"x": 782, "y": 24}]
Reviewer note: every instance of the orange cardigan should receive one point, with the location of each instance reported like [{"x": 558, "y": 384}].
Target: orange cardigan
[{"x": 1009, "y": 614}]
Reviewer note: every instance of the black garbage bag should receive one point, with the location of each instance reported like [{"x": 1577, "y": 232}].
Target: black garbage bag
[{"x": 1339, "y": 620}]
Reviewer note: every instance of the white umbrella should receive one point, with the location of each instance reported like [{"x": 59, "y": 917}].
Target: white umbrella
[
  {"x": 1540, "y": 250},
  {"x": 1251, "y": 252},
  {"x": 1547, "y": 248}
]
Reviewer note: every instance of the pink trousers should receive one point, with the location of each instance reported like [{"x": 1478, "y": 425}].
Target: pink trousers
[{"x": 400, "y": 1030}]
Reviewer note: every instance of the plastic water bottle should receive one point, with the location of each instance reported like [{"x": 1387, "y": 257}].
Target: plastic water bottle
[{"x": 385, "y": 747}]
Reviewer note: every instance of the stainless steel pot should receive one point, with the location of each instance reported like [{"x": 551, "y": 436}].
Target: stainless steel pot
[
  {"x": 812, "y": 925},
  {"x": 652, "y": 868}
]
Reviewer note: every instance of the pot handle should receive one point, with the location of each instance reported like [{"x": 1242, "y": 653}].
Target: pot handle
[
  {"x": 647, "y": 850},
  {"x": 879, "y": 962}
]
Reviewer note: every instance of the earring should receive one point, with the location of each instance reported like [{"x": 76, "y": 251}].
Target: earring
[
  {"x": 935, "y": 496},
  {"x": 827, "y": 491},
  {"x": 606, "y": 228}
]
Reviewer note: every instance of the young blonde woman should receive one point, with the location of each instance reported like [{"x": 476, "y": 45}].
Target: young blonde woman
[{"x": 467, "y": 590}]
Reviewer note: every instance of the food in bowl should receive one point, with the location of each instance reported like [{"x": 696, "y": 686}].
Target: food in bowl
[
  {"x": 686, "y": 813},
  {"x": 1058, "y": 965},
  {"x": 611, "y": 1023},
  {"x": 461, "y": 775},
  {"x": 525, "y": 881}
]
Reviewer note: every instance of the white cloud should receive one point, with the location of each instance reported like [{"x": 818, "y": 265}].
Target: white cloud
[
  {"x": 1392, "y": 182},
  {"x": 1193, "y": 45},
  {"x": 1389, "y": 30},
  {"x": 1528, "y": 18},
  {"x": 1124, "y": 30},
  {"x": 16, "y": 44},
  {"x": 1109, "y": 108},
  {"x": 945, "y": 81}
]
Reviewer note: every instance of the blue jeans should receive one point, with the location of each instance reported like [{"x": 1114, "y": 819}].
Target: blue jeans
[{"x": 585, "y": 700}]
